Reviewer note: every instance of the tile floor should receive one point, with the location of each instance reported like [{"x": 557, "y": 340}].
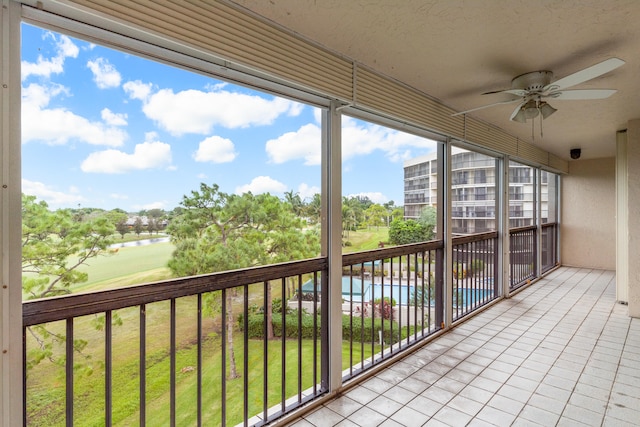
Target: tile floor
[{"x": 561, "y": 352}]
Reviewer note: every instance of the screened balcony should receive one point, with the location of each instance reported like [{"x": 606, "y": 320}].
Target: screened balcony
[
  {"x": 273, "y": 374},
  {"x": 522, "y": 309}
]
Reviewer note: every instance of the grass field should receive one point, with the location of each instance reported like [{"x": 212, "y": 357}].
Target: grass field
[
  {"x": 365, "y": 239},
  {"x": 127, "y": 266},
  {"x": 143, "y": 264}
]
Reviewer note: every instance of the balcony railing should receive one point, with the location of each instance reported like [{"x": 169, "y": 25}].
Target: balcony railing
[
  {"x": 475, "y": 272},
  {"x": 300, "y": 372},
  {"x": 192, "y": 332},
  {"x": 522, "y": 256},
  {"x": 392, "y": 299},
  {"x": 549, "y": 246}
]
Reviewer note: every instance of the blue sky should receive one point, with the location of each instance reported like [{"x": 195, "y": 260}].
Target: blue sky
[{"x": 106, "y": 129}]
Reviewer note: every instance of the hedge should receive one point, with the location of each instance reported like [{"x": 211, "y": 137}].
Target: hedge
[{"x": 362, "y": 328}]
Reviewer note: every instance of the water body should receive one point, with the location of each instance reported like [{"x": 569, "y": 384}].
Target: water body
[{"x": 140, "y": 242}]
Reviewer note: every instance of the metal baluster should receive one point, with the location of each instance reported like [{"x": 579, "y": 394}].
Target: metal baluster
[
  {"x": 265, "y": 348},
  {"x": 223, "y": 380},
  {"x": 283, "y": 348},
  {"x": 351, "y": 322},
  {"x": 199, "y": 372},
  {"x": 107, "y": 368},
  {"x": 172, "y": 352},
  {"x": 315, "y": 331},
  {"x": 299, "y": 356},
  {"x": 245, "y": 376},
  {"x": 143, "y": 365},
  {"x": 69, "y": 372}
]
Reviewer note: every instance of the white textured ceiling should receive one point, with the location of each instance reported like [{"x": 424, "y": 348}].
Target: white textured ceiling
[{"x": 454, "y": 50}]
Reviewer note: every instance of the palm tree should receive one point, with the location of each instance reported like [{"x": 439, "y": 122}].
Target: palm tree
[
  {"x": 295, "y": 201},
  {"x": 348, "y": 219}
]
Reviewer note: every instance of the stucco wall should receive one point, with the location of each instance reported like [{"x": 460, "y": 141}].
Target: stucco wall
[{"x": 588, "y": 214}]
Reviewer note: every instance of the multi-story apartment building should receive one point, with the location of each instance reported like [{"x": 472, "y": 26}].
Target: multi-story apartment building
[{"x": 473, "y": 191}]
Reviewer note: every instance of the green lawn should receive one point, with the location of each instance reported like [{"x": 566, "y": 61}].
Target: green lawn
[
  {"x": 366, "y": 239},
  {"x": 46, "y": 402},
  {"x": 127, "y": 266},
  {"x": 143, "y": 264}
]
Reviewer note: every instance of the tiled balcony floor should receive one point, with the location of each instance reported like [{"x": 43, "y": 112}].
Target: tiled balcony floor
[{"x": 561, "y": 352}]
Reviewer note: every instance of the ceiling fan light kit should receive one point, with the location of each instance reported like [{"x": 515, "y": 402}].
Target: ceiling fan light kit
[
  {"x": 530, "y": 90},
  {"x": 546, "y": 110}
]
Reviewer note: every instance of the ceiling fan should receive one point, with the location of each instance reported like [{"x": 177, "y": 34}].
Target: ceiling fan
[{"x": 532, "y": 90}]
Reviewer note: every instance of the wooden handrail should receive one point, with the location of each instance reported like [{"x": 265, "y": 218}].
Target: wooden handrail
[{"x": 67, "y": 306}]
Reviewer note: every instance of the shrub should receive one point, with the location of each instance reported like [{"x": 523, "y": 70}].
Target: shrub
[
  {"x": 384, "y": 308},
  {"x": 276, "y": 305},
  {"x": 459, "y": 272},
  {"x": 364, "y": 329},
  {"x": 354, "y": 270},
  {"x": 256, "y": 325},
  {"x": 477, "y": 265},
  {"x": 305, "y": 296}
]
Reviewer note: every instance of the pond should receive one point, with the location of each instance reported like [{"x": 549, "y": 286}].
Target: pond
[{"x": 144, "y": 242}]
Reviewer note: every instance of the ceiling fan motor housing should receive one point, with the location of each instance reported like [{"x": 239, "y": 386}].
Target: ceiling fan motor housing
[{"x": 532, "y": 82}]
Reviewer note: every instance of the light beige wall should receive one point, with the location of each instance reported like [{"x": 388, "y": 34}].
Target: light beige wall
[
  {"x": 633, "y": 212},
  {"x": 588, "y": 224}
]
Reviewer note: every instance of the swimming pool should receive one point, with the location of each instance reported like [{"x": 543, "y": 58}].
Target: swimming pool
[
  {"x": 358, "y": 290},
  {"x": 402, "y": 294},
  {"x": 470, "y": 296}
]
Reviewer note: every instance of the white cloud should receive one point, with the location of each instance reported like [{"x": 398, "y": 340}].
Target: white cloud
[
  {"x": 213, "y": 87},
  {"x": 307, "y": 192},
  {"x": 118, "y": 196},
  {"x": 104, "y": 74},
  {"x": 202, "y": 176},
  {"x": 53, "y": 197},
  {"x": 295, "y": 110},
  {"x": 196, "y": 111},
  {"x": 57, "y": 126},
  {"x": 262, "y": 184},
  {"x": 113, "y": 119},
  {"x": 153, "y": 205},
  {"x": 39, "y": 95},
  {"x": 301, "y": 144},
  {"x": 375, "y": 197},
  {"x": 151, "y": 136},
  {"x": 215, "y": 149},
  {"x": 148, "y": 155},
  {"x": 65, "y": 48},
  {"x": 361, "y": 139},
  {"x": 358, "y": 139},
  {"x": 138, "y": 90}
]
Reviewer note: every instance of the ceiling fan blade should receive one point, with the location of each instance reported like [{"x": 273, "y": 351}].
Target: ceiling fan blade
[
  {"x": 516, "y": 111},
  {"x": 486, "y": 106},
  {"x": 586, "y": 74},
  {"x": 516, "y": 92},
  {"x": 580, "y": 94}
]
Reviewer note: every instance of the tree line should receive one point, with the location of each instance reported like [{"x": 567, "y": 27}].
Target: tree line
[
  {"x": 56, "y": 242},
  {"x": 212, "y": 231}
]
